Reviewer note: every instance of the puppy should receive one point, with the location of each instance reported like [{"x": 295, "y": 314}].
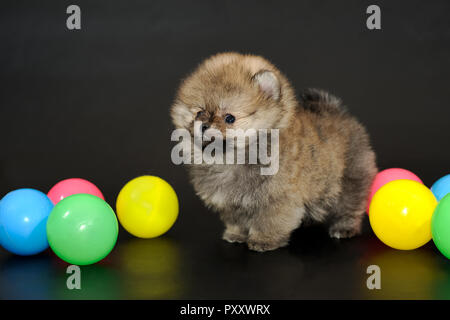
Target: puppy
[{"x": 326, "y": 163}]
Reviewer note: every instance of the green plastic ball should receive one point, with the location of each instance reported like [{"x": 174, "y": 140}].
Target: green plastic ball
[
  {"x": 440, "y": 226},
  {"x": 82, "y": 229}
]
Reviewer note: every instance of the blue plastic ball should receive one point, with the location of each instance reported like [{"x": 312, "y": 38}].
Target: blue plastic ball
[
  {"x": 23, "y": 220},
  {"x": 441, "y": 187}
]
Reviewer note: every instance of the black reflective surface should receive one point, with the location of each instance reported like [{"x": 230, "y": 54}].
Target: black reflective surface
[
  {"x": 94, "y": 104},
  {"x": 203, "y": 267}
]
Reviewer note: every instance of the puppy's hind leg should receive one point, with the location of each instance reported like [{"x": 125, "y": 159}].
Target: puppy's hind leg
[
  {"x": 346, "y": 220},
  {"x": 347, "y": 226}
]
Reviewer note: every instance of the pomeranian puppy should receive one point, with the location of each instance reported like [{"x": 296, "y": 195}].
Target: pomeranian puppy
[{"x": 326, "y": 163}]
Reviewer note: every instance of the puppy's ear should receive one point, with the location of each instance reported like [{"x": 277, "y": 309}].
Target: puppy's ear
[
  {"x": 181, "y": 115},
  {"x": 268, "y": 83}
]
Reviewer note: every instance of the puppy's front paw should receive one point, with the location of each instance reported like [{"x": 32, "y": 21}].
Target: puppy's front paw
[
  {"x": 233, "y": 237},
  {"x": 234, "y": 233},
  {"x": 262, "y": 246}
]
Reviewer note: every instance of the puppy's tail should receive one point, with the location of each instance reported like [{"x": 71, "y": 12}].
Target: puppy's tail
[{"x": 320, "y": 101}]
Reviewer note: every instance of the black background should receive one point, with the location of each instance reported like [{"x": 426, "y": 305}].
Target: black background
[{"x": 94, "y": 103}]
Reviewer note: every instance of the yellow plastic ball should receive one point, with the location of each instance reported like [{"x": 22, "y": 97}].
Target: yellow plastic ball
[
  {"x": 400, "y": 214},
  {"x": 147, "y": 207}
]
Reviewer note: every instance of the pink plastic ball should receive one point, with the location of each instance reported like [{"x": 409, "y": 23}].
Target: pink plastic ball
[
  {"x": 389, "y": 175},
  {"x": 68, "y": 187}
]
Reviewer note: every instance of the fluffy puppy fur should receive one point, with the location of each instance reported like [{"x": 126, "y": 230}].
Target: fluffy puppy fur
[{"x": 326, "y": 163}]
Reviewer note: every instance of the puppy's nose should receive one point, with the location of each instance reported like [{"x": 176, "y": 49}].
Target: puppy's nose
[{"x": 205, "y": 126}]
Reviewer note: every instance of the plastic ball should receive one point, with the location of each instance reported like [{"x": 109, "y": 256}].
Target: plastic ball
[
  {"x": 147, "y": 207},
  {"x": 82, "y": 229},
  {"x": 440, "y": 226},
  {"x": 389, "y": 175},
  {"x": 441, "y": 187},
  {"x": 400, "y": 214},
  {"x": 23, "y": 216},
  {"x": 72, "y": 186}
]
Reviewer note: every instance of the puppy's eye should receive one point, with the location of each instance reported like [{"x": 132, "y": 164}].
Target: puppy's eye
[
  {"x": 229, "y": 118},
  {"x": 200, "y": 113}
]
